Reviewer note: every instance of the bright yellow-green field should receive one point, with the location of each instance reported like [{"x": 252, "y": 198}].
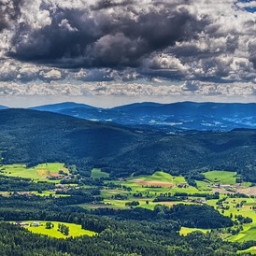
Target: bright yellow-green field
[
  {"x": 249, "y": 232},
  {"x": 41, "y": 172},
  {"x": 203, "y": 185},
  {"x": 222, "y": 177},
  {"x": 157, "y": 176},
  {"x": 162, "y": 177},
  {"x": 185, "y": 231},
  {"x": 251, "y": 250},
  {"x": 74, "y": 230}
]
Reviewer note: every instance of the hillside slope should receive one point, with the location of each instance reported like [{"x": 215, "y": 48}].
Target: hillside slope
[{"x": 28, "y": 136}]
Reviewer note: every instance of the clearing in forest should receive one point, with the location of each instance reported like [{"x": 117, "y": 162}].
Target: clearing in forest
[{"x": 75, "y": 230}]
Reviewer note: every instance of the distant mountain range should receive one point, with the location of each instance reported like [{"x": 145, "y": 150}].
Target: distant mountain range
[{"x": 169, "y": 117}]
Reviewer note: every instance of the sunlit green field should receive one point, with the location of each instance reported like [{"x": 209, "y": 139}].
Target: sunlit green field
[
  {"x": 149, "y": 187},
  {"x": 144, "y": 189},
  {"x": 161, "y": 183},
  {"x": 249, "y": 230},
  {"x": 185, "y": 231},
  {"x": 203, "y": 185},
  {"x": 248, "y": 234},
  {"x": 156, "y": 184},
  {"x": 74, "y": 230},
  {"x": 222, "y": 177},
  {"x": 161, "y": 177},
  {"x": 251, "y": 250},
  {"x": 41, "y": 172},
  {"x": 157, "y": 176}
]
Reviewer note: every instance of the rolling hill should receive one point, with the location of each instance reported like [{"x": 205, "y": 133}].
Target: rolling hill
[
  {"x": 61, "y": 107},
  {"x": 183, "y": 115},
  {"x": 29, "y": 136}
]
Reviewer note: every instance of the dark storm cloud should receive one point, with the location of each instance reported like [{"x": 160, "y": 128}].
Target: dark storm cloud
[
  {"x": 127, "y": 40},
  {"x": 93, "y": 37}
]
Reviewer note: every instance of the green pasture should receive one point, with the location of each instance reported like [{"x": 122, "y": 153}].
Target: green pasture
[
  {"x": 221, "y": 177},
  {"x": 156, "y": 176},
  {"x": 249, "y": 230},
  {"x": 74, "y": 230},
  {"x": 251, "y": 250},
  {"x": 248, "y": 234},
  {"x": 147, "y": 190},
  {"x": 185, "y": 231},
  {"x": 137, "y": 186},
  {"x": 203, "y": 185},
  {"x": 41, "y": 172}
]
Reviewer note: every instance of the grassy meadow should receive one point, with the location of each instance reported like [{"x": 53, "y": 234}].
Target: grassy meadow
[
  {"x": 74, "y": 229},
  {"x": 221, "y": 177},
  {"x": 48, "y": 172},
  {"x": 143, "y": 190},
  {"x": 184, "y": 231}
]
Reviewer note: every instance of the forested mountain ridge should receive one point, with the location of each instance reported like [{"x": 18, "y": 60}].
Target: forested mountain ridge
[
  {"x": 31, "y": 137},
  {"x": 181, "y": 115}
]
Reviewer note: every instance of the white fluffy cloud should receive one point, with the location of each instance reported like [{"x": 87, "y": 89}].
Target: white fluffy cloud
[
  {"x": 191, "y": 89},
  {"x": 52, "y": 74}
]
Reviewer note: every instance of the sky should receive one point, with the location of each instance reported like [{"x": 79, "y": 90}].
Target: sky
[{"x": 114, "y": 52}]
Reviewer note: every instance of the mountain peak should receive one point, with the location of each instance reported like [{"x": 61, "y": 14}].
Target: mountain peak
[{"x": 61, "y": 106}]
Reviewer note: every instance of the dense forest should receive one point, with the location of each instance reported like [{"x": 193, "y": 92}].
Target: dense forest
[
  {"x": 147, "y": 237},
  {"x": 129, "y": 239},
  {"x": 32, "y": 137}
]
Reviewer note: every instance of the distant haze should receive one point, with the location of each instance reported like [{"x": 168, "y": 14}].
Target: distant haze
[{"x": 110, "y": 101}]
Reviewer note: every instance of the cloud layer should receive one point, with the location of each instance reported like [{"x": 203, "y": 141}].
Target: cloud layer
[{"x": 195, "y": 42}]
